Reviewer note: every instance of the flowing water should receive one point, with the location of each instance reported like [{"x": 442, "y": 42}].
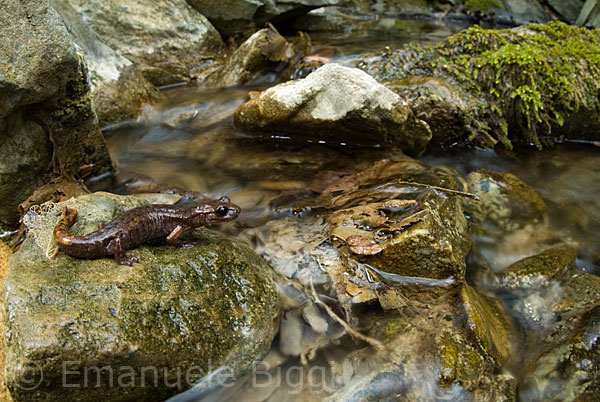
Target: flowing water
[{"x": 188, "y": 140}]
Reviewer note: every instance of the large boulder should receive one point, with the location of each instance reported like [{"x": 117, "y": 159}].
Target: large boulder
[
  {"x": 118, "y": 87},
  {"x": 338, "y": 105},
  {"x": 529, "y": 85},
  {"x": 46, "y": 112},
  {"x": 133, "y": 46},
  {"x": 105, "y": 329}
]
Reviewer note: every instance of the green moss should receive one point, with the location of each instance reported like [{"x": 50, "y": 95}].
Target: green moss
[
  {"x": 527, "y": 79},
  {"x": 483, "y": 4},
  {"x": 459, "y": 360}
]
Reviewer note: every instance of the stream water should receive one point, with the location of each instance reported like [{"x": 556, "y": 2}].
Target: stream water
[{"x": 188, "y": 140}]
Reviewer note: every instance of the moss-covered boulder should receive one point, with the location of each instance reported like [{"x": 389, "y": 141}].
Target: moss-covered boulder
[
  {"x": 335, "y": 105},
  {"x": 46, "y": 112},
  {"x": 528, "y": 85},
  {"x": 123, "y": 333}
]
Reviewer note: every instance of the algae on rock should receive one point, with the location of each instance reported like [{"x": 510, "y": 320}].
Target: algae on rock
[
  {"x": 178, "y": 313},
  {"x": 527, "y": 85}
]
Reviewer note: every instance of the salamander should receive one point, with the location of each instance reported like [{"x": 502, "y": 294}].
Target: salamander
[{"x": 140, "y": 225}]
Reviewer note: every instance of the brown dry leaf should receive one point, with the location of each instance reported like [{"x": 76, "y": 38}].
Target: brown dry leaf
[
  {"x": 275, "y": 48},
  {"x": 361, "y": 216},
  {"x": 360, "y": 294},
  {"x": 324, "y": 179},
  {"x": 363, "y": 246},
  {"x": 367, "y": 250},
  {"x": 59, "y": 189}
]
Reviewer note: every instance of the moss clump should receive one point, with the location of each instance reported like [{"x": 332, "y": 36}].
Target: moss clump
[
  {"x": 483, "y": 4},
  {"x": 528, "y": 80}
]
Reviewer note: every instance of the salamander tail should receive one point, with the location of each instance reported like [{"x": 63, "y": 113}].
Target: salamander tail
[{"x": 61, "y": 230}]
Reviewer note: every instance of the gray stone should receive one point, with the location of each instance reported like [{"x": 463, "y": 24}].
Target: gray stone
[
  {"x": 568, "y": 9},
  {"x": 118, "y": 88},
  {"x": 45, "y": 104},
  {"x": 335, "y": 104},
  {"x": 167, "y": 41},
  {"x": 236, "y": 16},
  {"x": 526, "y": 10},
  {"x": 179, "y": 312}
]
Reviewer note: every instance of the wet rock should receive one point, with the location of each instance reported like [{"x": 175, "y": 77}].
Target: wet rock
[
  {"x": 547, "y": 295},
  {"x": 569, "y": 10},
  {"x": 506, "y": 203},
  {"x": 441, "y": 104},
  {"x": 178, "y": 313},
  {"x": 490, "y": 324},
  {"x": 569, "y": 371},
  {"x": 536, "y": 272},
  {"x": 589, "y": 15},
  {"x": 335, "y": 104},
  {"x": 236, "y": 16},
  {"x": 509, "y": 12},
  {"x": 261, "y": 54},
  {"x": 391, "y": 234},
  {"x": 168, "y": 42},
  {"x": 421, "y": 233},
  {"x": 45, "y": 105},
  {"x": 426, "y": 358}
]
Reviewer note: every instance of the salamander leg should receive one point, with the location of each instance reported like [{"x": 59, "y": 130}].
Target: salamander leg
[
  {"x": 173, "y": 238},
  {"x": 115, "y": 247}
]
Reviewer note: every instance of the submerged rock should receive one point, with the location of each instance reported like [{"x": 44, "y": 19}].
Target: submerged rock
[
  {"x": 569, "y": 371},
  {"x": 46, "y": 112},
  {"x": 505, "y": 204},
  {"x": 338, "y": 105},
  {"x": 428, "y": 356},
  {"x": 118, "y": 330}
]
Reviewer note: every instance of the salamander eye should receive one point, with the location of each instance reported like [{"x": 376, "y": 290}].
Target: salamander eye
[{"x": 222, "y": 211}]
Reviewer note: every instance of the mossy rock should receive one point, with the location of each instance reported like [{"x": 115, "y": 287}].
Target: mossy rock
[
  {"x": 505, "y": 204},
  {"x": 426, "y": 356},
  {"x": 536, "y": 272},
  {"x": 570, "y": 370},
  {"x": 178, "y": 311},
  {"x": 490, "y": 324},
  {"x": 532, "y": 83}
]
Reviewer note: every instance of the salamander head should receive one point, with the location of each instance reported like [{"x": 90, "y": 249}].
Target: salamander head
[{"x": 221, "y": 210}]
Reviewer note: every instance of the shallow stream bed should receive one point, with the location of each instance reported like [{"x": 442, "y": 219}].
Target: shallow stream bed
[{"x": 188, "y": 140}]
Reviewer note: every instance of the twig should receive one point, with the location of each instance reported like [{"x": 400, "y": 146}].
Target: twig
[
  {"x": 442, "y": 189},
  {"x": 373, "y": 342}
]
